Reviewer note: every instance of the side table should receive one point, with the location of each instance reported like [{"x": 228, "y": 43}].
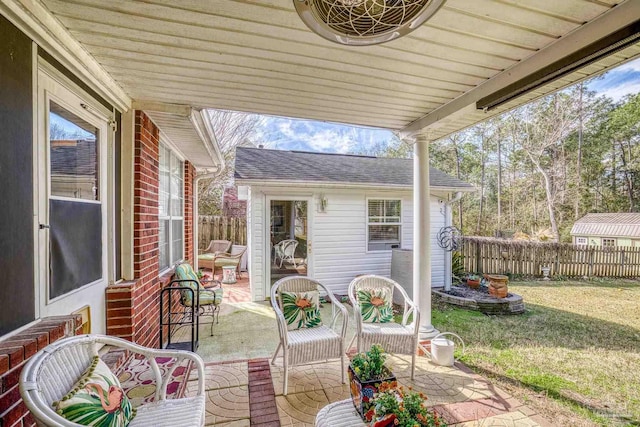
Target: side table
[
  {"x": 339, "y": 414},
  {"x": 229, "y": 274}
]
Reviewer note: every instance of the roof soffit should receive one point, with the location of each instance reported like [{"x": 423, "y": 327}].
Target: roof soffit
[{"x": 259, "y": 57}]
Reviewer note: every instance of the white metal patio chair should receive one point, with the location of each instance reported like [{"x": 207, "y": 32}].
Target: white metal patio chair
[
  {"x": 394, "y": 337},
  {"x": 285, "y": 250},
  {"x": 307, "y": 345},
  {"x": 52, "y": 372}
]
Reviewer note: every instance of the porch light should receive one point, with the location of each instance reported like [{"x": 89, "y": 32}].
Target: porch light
[{"x": 365, "y": 22}]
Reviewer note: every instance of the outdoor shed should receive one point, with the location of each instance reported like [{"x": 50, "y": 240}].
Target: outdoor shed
[
  {"x": 346, "y": 213},
  {"x": 607, "y": 230}
]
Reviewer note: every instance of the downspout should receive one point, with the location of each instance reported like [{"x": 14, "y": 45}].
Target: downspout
[
  {"x": 202, "y": 124},
  {"x": 448, "y": 260}
]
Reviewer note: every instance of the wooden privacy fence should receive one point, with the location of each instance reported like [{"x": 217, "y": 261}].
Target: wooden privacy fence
[
  {"x": 499, "y": 256},
  {"x": 221, "y": 228}
]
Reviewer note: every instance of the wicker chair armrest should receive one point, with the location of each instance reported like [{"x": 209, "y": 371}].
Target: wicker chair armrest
[
  {"x": 410, "y": 308},
  {"x": 150, "y": 354},
  {"x": 338, "y": 309},
  {"x": 280, "y": 320}
]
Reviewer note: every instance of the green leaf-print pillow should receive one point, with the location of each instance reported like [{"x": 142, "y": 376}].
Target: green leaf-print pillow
[
  {"x": 97, "y": 399},
  {"x": 301, "y": 309},
  {"x": 375, "y": 305}
]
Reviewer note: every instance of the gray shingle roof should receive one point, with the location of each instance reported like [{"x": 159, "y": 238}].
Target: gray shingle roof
[
  {"x": 77, "y": 158},
  {"x": 608, "y": 225},
  {"x": 279, "y": 165}
]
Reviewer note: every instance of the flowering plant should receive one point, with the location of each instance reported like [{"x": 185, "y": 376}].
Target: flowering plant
[
  {"x": 395, "y": 406},
  {"x": 369, "y": 365}
]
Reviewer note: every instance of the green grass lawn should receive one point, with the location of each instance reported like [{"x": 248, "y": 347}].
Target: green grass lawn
[{"x": 574, "y": 355}]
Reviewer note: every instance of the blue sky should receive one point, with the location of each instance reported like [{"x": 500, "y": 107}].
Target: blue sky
[
  {"x": 619, "y": 82},
  {"x": 308, "y": 135}
]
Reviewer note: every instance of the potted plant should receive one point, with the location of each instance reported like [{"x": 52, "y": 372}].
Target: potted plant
[
  {"x": 367, "y": 374},
  {"x": 397, "y": 406},
  {"x": 473, "y": 281}
]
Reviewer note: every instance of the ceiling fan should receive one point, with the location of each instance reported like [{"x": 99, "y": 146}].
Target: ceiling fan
[{"x": 365, "y": 22}]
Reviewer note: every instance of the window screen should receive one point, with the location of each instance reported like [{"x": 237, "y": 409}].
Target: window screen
[
  {"x": 384, "y": 223},
  {"x": 73, "y": 155}
]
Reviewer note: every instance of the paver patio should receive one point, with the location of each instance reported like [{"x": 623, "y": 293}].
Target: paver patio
[{"x": 247, "y": 391}]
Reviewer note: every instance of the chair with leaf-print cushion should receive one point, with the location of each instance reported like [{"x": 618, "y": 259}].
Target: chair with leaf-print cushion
[
  {"x": 209, "y": 299},
  {"x": 60, "y": 385},
  {"x": 304, "y": 338},
  {"x": 372, "y": 300}
]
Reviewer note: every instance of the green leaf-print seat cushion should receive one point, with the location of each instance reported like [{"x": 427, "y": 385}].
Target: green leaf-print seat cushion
[
  {"x": 301, "y": 309},
  {"x": 375, "y": 305},
  {"x": 207, "y": 297},
  {"x": 97, "y": 399}
]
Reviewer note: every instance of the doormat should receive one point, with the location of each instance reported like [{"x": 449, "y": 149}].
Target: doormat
[{"x": 139, "y": 384}]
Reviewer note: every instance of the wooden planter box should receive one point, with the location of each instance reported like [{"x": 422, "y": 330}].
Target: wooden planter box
[{"x": 362, "y": 391}]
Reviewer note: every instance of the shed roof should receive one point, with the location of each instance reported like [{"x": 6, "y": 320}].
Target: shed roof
[
  {"x": 258, "y": 164},
  {"x": 608, "y": 224}
]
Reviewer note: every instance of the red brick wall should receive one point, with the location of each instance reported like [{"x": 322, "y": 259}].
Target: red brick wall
[
  {"x": 231, "y": 206},
  {"x": 14, "y": 353},
  {"x": 133, "y": 308}
]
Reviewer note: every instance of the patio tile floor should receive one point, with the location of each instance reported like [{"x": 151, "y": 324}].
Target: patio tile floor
[{"x": 249, "y": 392}]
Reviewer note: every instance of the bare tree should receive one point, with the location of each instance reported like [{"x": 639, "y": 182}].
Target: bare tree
[
  {"x": 547, "y": 124},
  {"x": 232, "y": 129}
]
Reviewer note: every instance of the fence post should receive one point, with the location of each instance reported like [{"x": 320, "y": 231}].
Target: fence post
[
  {"x": 478, "y": 258},
  {"x": 591, "y": 250}
]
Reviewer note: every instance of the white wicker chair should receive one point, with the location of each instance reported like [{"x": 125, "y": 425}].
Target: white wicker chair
[
  {"x": 53, "y": 371},
  {"x": 393, "y": 337},
  {"x": 308, "y": 344},
  {"x": 286, "y": 250}
]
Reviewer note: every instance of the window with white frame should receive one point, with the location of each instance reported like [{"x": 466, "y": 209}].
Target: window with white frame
[
  {"x": 170, "y": 215},
  {"x": 608, "y": 243},
  {"x": 384, "y": 224},
  {"x": 581, "y": 241}
]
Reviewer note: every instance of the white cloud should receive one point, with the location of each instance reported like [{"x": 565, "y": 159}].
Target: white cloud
[
  {"x": 618, "y": 92},
  {"x": 294, "y": 134},
  {"x": 328, "y": 140},
  {"x": 629, "y": 66},
  {"x": 284, "y": 126}
]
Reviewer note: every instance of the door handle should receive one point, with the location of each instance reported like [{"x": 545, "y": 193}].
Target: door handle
[{"x": 43, "y": 226}]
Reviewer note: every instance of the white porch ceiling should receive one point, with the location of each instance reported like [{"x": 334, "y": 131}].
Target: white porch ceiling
[{"x": 258, "y": 56}]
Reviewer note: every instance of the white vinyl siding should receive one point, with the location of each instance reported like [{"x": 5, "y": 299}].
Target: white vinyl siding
[
  {"x": 581, "y": 241},
  {"x": 255, "y": 242},
  {"x": 339, "y": 236}
]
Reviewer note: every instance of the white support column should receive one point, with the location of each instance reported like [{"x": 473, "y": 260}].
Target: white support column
[{"x": 422, "y": 236}]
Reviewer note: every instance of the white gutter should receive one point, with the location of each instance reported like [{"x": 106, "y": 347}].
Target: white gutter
[
  {"x": 202, "y": 125},
  {"x": 349, "y": 185},
  {"x": 448, "y": 262}
]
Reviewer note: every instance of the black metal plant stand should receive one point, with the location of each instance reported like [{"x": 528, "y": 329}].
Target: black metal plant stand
[{"x": 189, "y": 316}]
